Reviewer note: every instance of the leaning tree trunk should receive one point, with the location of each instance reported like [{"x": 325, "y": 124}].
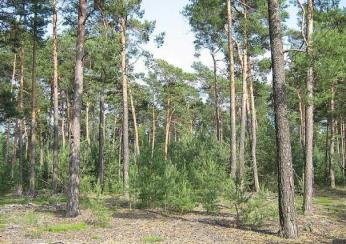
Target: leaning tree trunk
[
  {"x": 302, "y": 120},
  {"x": 332, "y": 141},
  {"x": 55, "y": 100},
  {"x": 284, "y": 155},
  {"x": 33, "y": 115},
  {"x": 233, "y": 143},
  {"x": 125, "y": 107},
  {"x": 309, "y": 117},
  {"x": 73, "y": 189},
  {"x": 101, "y": 166}
]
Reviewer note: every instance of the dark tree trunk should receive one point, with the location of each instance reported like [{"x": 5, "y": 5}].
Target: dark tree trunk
[
  {"x": 284, "y": 155},
  {"x": 233, "y": 143},
  {"x": 55, "y": 100},
  {"x": 101, "y": 142},
  {"x": 73, "y": 189}
]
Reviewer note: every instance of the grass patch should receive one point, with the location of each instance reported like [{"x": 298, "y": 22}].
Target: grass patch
[
  {"x": 58, "y": 228},
  {"x": 101, "y": 215},
  {"x": 152, "y": 239}
]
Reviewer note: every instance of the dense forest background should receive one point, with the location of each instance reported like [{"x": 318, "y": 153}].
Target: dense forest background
[{"x": 76, "y": 117}]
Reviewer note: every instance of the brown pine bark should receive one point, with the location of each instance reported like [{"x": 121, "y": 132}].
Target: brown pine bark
[
  {"x": 332, "y": 141},
  {"x": 73, "y": 188},
  {"x": 343, "y": 156},
  {"x": 169, "y": 114},
  {"x": 123, "y": 26},
  {"x": 284, "y": 155},
  {"x": 309, "y": 118},
  {"x": 233, "y": 143},
  {"x": 101, "y": 166},
  {"x": 302, "y": 120},
  {"x": 33, "y": 114},
  {"x": 55, "y": 99}
]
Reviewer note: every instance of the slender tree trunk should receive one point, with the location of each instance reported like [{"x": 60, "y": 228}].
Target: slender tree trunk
[
  {"x": 153, "y": 133},
  {"x": 87, "y": 134},
  {"x": 284, "y": 155},
  {"x": 302, "y": 120},
  {"x": 133, "y": 111},
  {"x": 167, "y": 129},
  {"x": 114, "y": 130},
  {"x": 343, "y": 156},
  {"x": 33, "y": 115},
  {"x": 73, "y": 190},
  {"x": 243, "y": 105},
  {"x": 101, "y": 142},
  {"x": 309, "y": 118},
  {"x": 55, "y": 99},
  {"x": 254, "y": 136},
  {"x": 41, "y": 149},
  {"x": 120, "y": 154},
  {"x": 14, "y": 150},
  {"x": 332, "y": 141},
  {"x": 68, "y": 117},
  {"x": 125, "y": 107},
  {"x": 20, "y": 123},
  {"x": 216, "y": 99},
  {"x": 233, "y": 143}
]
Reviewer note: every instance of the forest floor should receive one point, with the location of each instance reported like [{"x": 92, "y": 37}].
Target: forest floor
[{"x": 108, "y": 220}]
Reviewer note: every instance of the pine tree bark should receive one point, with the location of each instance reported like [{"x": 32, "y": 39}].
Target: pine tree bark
[
  {"x": 125, "y": 107},
  {"x": 343, "y": 156},
  {"x": 284, "y": 155},
  {"x": 254, "y": 136},
  {"x": 20, "y": 123},
  {"x": 33, "y": 114},
  {"x": 87, "y": 134},
  {"x": 134, "y": 118},
  {"x": 332, "y": 141},
  {"x": 216, "y": 99},
  {"x": 243, "y": 103},
  {"x": 55, "y": 99},
  {"x": 153, "y": 132},
  {"x": 309, "y": 118},
  {"x": 233, "y": 143},
  {"x": 302, "y": 120},
  {"x": 101, "y": 165},
  {"x": 73, "y": 188}
]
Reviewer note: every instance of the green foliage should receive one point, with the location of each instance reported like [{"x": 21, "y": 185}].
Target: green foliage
[
  {"x": 59, "y": 228},
  {"x": 152, "y": 239}
]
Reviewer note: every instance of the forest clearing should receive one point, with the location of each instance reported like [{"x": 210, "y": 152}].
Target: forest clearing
[
  {"x": 181, "y": 121},
  {"x": 109, "y": 219}
]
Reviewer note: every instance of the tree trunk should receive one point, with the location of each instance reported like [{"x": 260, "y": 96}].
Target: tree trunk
[
  {"x": 55, "y": 100},
  {"x": 216, "y": 99},
  {"x": 114, "y": 131},
  {"x": 302, "y": 120},
  {"x": 284, "y": 155},
  {"x": 133, "y": 111},
  {"x": 153, "y": 133},
  {"x": 125, "y": 107},
  {"x": 101, "y": 142},
  {"x": 309, "y": 118},
  {"x": 343, "y": 156},
  {"x": 33, "y": 115},
  {"x": 87, "y": 134},
  {"x": 73, "y": 190},
  {"x": 233, "y": 143},
  {"x": 243, "y": 105},
  {"x": 254, "y": 136},
  {"x": 332, "y": 141},
  {"x": 20, "y": 122},
  {"x": 167, "y": 129},
  {"x": 14, "y": 150}
]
